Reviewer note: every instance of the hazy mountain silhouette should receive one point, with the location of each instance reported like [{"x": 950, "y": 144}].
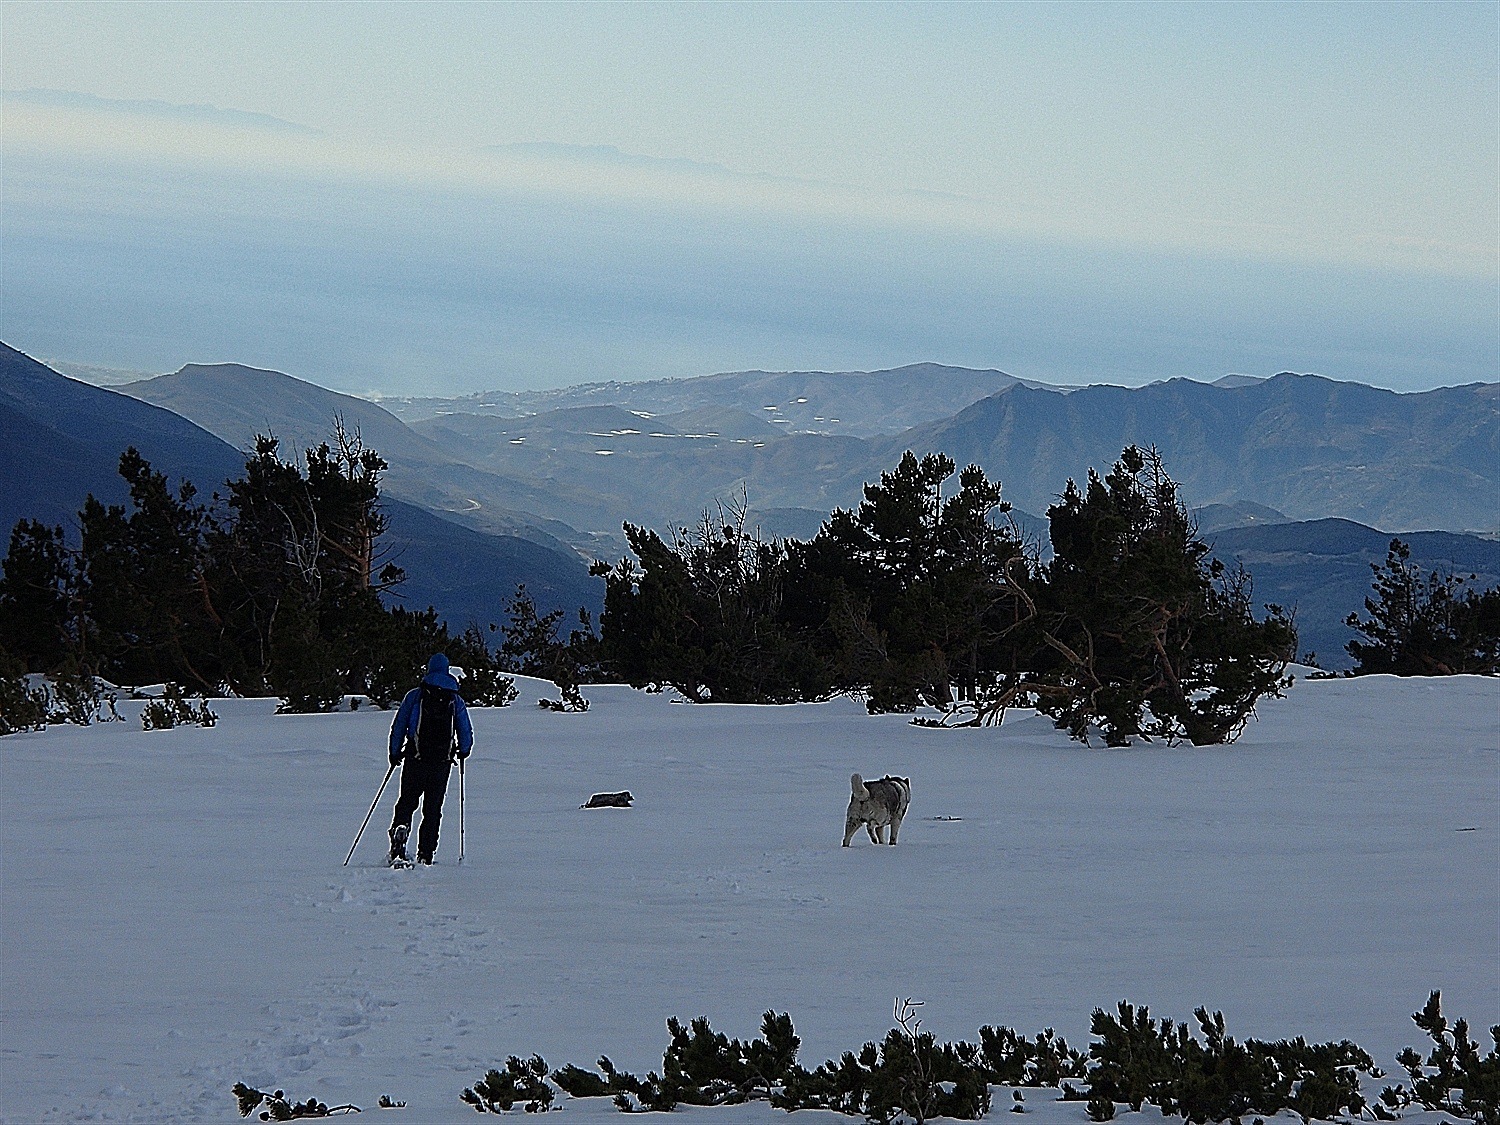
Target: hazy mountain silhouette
[
  {"x": 1306, "y": 446},
  {"x": 1323, "y": 568},
  {"x": 61, "y": 440},
  {"x": 1291, "y": 475},
  {"x": 862, "y": 403},
  {"x": 236, "y": 403}
]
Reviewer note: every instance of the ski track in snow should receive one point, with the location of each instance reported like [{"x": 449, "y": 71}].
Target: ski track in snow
[{"x": 176, "y": 919}]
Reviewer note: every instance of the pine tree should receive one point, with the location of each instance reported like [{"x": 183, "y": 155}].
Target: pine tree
[
  {"x": 909, "y": 593},
  {"x": 38, "y": 598},
  {"x": 295, "y": 567},
  {"x": 143, "y": 573},
  {"x": 531, "y": 646},
  {"x": 1425, "y": 623},
  {"x": 705, "y": 614},
  {"x": 1147, "y": 635}
]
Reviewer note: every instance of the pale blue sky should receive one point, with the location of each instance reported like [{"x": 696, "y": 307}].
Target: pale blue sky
[{"x": 1077, "y": 192}]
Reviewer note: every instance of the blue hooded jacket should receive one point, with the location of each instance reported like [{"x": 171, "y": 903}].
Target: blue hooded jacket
[{"x": 405, "y": 724}]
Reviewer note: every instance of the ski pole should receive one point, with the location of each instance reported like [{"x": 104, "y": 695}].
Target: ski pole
[
  {"x": 460, "y": 810},
  {"x": 371, "y": 813}
]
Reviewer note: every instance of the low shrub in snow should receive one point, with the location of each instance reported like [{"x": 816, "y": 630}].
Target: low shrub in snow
[
  {"x": 1454, "y": 1066},
  {"x": 22, "y": 707},
  {"x": 700, "y": 1067},
  {"x": 278, "y": 1108},
  {"x": 1134, "y": 1060},
  {"x": 174, "y": 710},
  {"x": 522, "y": 1080},
  {"x": 73, "y": 695},
  {"x": 908, "y": 1077},
  {"x": 487, "y": 687},
  {"x": 571, "y": 700},
  {"x": 1014, "y": 1060},
  {"x": 1138, "y": 1060}
]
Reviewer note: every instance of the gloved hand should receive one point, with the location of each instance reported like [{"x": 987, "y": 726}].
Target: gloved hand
[
  {"x": 461, "y": 755},
  {"x": 395, "y": 758}
]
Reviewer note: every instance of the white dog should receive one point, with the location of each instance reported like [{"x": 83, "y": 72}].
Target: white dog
[{"x": 876, "y": 804}]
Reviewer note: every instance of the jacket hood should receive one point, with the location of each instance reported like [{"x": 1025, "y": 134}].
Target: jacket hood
[{"x": 438, "y": 674}]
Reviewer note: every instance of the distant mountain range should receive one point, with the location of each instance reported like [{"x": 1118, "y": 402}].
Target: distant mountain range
[
  {"x": 1290, "y": 474},
  {"x": 1307, "y": 446},
  {"x": 662, "y": 452},
  {"x": 861, "y": 403},
  {"x": 61, "y": 440},
  {"x": 236, "y": 403},
  {"x": 1322, "y": 567}
]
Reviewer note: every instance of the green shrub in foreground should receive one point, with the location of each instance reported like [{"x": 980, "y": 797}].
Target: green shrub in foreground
[{"x": 909, "y": 1076}]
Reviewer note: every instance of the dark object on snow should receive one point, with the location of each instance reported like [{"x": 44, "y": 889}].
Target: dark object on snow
[
  {"x": 279, "y": 1108},
  {"x": 619, "y": 800}
]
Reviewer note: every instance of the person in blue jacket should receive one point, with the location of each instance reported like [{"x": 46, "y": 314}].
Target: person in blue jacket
[{"x": 431, "y": 728}]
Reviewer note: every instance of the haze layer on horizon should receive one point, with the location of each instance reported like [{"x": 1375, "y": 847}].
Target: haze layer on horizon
[{"x": 439, "y": 199}]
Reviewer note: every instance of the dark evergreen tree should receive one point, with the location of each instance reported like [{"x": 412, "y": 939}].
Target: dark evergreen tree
[
  {"x": 919, "y": 597},
  {"x": 704, "y": 614},
  {"x": 274, "y": 592},
  {"x": 143, "y": 580},
  {"x": 21, "y": 707},
  {"x": 531, "y": 646},
  {"x": 399, "y": 647},
  {"x": 484, "y": 685},
  {"x": 1144, "y": 634},
  {"x": 39, "y": 603},
  {"x": 912, "y": 586},
  {"x": 1425, "y": 623},
  {"x": 295, "y": 567}
]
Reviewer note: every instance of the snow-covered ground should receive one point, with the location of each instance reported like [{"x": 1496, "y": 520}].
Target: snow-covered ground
[{"x": 176, "y": 918}]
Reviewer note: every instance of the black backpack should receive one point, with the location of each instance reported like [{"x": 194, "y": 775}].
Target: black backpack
[{"x": 437, "y": 719}]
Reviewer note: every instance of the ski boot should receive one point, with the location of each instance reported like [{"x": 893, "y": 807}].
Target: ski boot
[
  {"x": 424, "y": 859},
  {"x": 398, "y": 856}
]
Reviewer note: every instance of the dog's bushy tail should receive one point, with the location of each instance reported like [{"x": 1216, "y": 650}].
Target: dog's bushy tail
[{"x": 857, "y": 783}]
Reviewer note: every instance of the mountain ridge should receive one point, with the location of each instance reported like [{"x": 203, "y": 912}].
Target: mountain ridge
[
  {"x": 236, "y": 402},
  {"x": 63, "y": 439},
  {"x": 862, "y": 403},
  {"x": 1370, "y": 454},
  {"x": 1322, "y": 568},
  {"x": 1298, "y": 458}
]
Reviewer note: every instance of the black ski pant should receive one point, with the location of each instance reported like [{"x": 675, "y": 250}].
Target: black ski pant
[{"x": 424, "y": 780}]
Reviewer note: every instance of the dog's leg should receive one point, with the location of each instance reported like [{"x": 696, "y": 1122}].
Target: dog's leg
[
  {"x": 851, "y": 826},
  {"x": 870, "y": 828},
  {"x": 895, "y": 826}
]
